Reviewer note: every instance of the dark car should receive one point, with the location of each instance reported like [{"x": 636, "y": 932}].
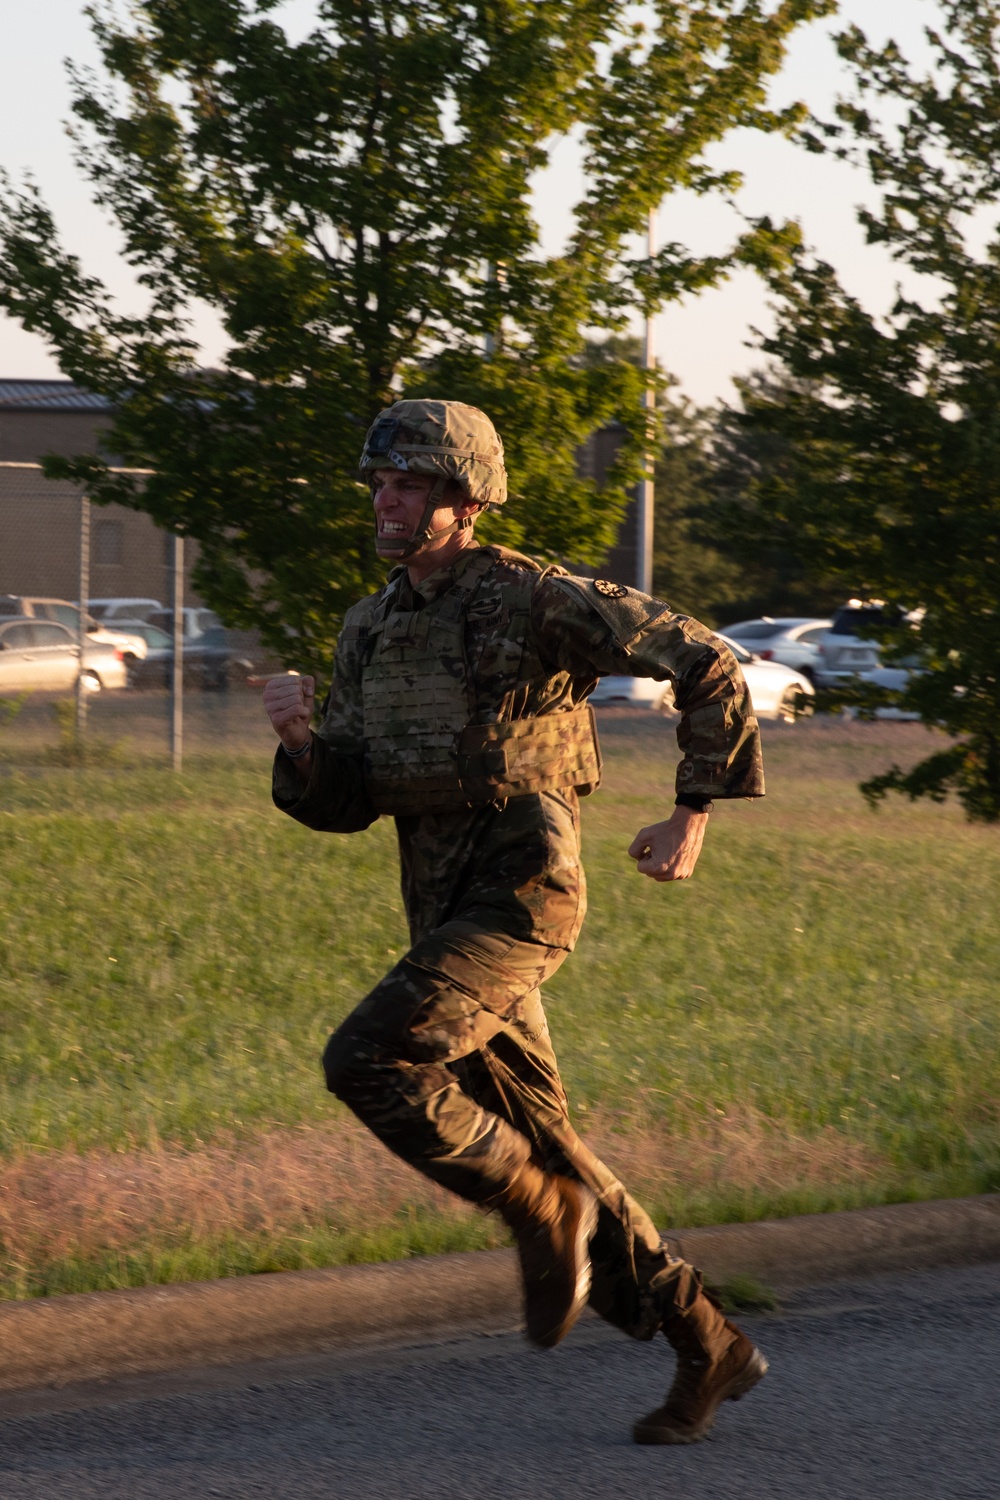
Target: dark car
[
  {"x": 195, "y": 622},
  {"x": 211, "y": 662}
]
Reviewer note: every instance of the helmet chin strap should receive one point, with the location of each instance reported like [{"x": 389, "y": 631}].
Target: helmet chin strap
[{"x": 402, "y": 548}]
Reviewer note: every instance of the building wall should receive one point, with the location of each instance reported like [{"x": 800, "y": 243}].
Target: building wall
[
  {"x": 40, "y": 544},
  {"x": 40, "y": 520},
  {"x": 26, "y": 435}
]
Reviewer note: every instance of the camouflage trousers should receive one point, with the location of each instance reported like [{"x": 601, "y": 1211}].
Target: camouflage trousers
[{"x": 449, "y": 1062}]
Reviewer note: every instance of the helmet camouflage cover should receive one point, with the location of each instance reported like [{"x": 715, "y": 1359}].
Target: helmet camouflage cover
[{"x": 444, "y": 438}]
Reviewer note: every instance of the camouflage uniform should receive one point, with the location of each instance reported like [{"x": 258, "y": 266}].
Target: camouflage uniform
[{"x": 448, "y": 1060}]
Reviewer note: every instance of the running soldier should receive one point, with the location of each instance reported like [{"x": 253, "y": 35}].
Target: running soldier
[{"x": 458, "y": 707}]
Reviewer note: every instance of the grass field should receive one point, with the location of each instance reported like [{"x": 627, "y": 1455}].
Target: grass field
[{"x": 810, "y": 1023}]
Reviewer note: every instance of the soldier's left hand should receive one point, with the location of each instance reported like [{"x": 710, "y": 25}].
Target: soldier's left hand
[{"x": 669, "y": 850}]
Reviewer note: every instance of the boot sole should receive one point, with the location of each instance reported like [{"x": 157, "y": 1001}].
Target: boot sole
[
  {"x": 549, "y": 1337},
  {"x": 743, "y": 1382}
]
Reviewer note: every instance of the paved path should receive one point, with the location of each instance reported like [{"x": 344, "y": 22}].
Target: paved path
[{"x": 878, "y": 1390}]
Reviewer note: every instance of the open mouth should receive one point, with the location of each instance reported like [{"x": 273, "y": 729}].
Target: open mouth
[{"x": 394, "y": 529}]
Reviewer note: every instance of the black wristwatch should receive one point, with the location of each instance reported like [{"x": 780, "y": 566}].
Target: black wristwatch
[{"x": 693, "y": 800}]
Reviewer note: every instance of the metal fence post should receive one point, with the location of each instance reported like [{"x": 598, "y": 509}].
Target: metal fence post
[
  {"x": 84, "y": 595},
  {"x": 644, "y": 516},
  {"x": 177, "y": 684}
]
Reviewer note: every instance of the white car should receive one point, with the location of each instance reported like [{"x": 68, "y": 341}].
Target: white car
[
  {"x": 41, "y": 656},
  {"x": 777, "y": 692}
]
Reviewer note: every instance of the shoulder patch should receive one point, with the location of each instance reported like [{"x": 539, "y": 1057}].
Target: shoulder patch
[{"x": 625, "y": 611}]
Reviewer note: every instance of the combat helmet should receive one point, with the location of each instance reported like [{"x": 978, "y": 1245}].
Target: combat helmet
[{"x": 447, "y": 440}]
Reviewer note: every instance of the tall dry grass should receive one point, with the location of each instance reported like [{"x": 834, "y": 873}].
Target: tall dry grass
[{"x": 60, "y": 1207}]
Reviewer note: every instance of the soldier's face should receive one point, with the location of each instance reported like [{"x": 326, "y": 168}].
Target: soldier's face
[
  {"x": 400, "y": 499},
  {"x": 399, "y": 503}
]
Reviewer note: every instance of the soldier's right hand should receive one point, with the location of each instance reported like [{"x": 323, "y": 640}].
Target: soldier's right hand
[{"x": 289, "y": 701}]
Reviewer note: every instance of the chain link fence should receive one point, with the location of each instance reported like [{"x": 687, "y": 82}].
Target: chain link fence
[{"x": 145, "y": 671}]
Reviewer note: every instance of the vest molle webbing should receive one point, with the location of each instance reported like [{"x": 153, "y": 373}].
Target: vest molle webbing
[{"x": 424, "y": 750}]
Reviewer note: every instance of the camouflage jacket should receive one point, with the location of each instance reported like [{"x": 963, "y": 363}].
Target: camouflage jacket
[{"x": 580, "y": 630}]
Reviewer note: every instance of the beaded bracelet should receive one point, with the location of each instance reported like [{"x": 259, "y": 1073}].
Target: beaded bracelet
[{"x": 302, "y": 750}]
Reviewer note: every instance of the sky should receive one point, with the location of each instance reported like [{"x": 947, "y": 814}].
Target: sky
[{"x": 704, "y": 341}]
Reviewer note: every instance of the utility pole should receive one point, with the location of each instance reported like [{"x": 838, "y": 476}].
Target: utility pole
[{"x": 644, "y": 518}]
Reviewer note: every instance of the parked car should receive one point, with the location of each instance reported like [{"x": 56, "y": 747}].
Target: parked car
[
  {"x": 63, "y": 612},
  {"x": 211, "y": 661},
  {"x": 41, "y": 656},
  {"x": 195, "y": 621},
  {"x": 777, "y": 691},
  {"x": 632, "y": 692},
  {"x": 117, "y": 611},
  {"x": 848, "y": 649},
  {"x": 156, "y": 642},
  {"x": 792, "y": 640}
]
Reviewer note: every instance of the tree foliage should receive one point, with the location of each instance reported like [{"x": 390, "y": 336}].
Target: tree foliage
[
  {"x": 339, "y": 201},
  {"x": 716, "y": 553},
  {"x": 692, "y": 563},
  {"x": 892, "y": 424},
  {"x": 719, "y": 553}
]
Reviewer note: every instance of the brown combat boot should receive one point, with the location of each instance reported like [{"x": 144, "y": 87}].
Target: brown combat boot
[
  {"x": 553, "y": 1219},
  {"x": 715, "y": 1363}
]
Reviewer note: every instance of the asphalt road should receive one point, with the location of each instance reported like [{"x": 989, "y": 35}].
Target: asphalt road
[{"x": 878, "y": 1390}]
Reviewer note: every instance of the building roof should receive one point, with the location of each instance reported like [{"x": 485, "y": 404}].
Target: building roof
[{"x": 49, "y": 395}]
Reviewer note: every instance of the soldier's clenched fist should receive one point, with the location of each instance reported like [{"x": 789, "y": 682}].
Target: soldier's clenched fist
[
  {"x": 289, "y": 702},
  {"x": 669, "y": 850}
]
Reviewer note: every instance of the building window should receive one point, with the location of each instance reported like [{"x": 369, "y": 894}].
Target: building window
[{"x": 108, "y": 538}]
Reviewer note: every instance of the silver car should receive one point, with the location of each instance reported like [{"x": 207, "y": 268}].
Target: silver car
[
  {"x": 63, "y": 612},
  {"x": 792, "y": 640},
  {"x": 41, "y": 656},
  {"x": 849, "y": 650},
  {"x": 112, "y": 612}
]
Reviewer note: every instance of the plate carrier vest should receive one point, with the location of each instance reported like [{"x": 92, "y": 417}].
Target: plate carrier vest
[{"x": 424, "y": 749}]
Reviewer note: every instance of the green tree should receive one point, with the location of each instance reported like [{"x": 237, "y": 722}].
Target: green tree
[
  {"x": 716, "y": 553},
  {"x": 694, "y": 565},
  {"x": 339, "y": 201},
  {"x": 892, "y": 424},
  {"x": 772, "y": 567}
]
